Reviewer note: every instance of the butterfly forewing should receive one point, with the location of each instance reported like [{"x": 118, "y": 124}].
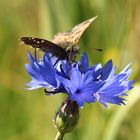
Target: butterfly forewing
[{"x": 72, "y": 37}]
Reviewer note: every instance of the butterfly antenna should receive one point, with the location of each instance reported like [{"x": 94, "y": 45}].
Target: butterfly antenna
[{"x": 97, "y": 49}]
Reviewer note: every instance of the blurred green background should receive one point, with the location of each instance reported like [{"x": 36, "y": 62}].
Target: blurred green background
[{"x": 28, "y": 115}]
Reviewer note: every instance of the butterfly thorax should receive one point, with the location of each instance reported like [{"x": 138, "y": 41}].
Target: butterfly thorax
[
  {"x": 72, "y": 51},
  {"x": 70, "y": 46}
]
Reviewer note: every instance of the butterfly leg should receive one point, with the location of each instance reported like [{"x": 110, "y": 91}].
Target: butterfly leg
[{"x": 56, "y": 61}]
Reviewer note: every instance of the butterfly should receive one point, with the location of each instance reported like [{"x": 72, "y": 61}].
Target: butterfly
[{"x": 64, "y": 45}]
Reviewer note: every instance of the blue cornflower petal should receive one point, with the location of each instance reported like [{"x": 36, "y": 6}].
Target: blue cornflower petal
[
  {"x": 80, "y": 87},
  {"x": 75, "y": 77},
  {"x": 84, "y": 63},
  {"x": 126, "y": 68},
  {"x": 42, "y": 73},
  {"x": 114, "y": 87},
  {"x": 33, "y": 85},
  {"x": 106, "y": 70}
]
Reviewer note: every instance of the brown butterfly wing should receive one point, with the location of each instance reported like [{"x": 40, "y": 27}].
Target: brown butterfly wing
[
  {"x": 62, "y": 42},
  {"x": 45, "y": 46},
  {"x": 72, "y": 37}
]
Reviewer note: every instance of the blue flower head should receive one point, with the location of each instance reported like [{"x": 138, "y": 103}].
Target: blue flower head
[{"x": 81, "y": 82}]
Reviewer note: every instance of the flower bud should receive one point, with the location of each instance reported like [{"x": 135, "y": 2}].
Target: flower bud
[{"x": 67, "y": 116}]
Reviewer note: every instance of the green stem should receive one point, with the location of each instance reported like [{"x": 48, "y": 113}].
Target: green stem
[{"x": 59, "y": 136}]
